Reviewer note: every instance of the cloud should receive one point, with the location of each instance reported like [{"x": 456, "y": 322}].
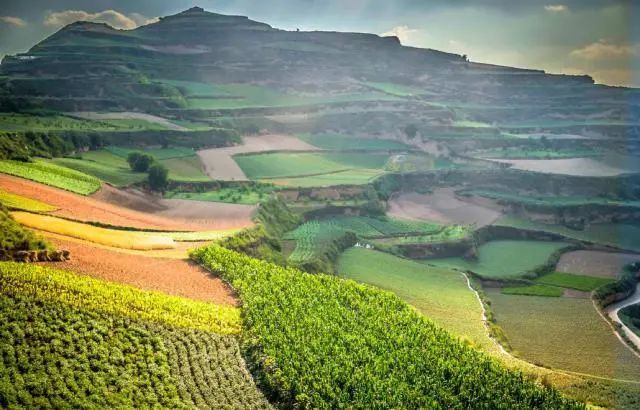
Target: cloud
[
  {"x": 14, "y": 21},
  {"x": 556, "y": 8},
  {"x": 406, "y": 34},
  {"x": 111, "y": 17},
  {"x": 605, "y": 50}
]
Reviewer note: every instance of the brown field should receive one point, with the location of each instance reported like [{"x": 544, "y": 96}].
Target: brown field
[
  {"x": 443, "y": 207},
  {"x": 571, "y": 166},
  {"x": 219, "y": 162},
  {"x": 178, "y": 277},
  {"x": 134, "y": 209},
  {"x": 595, "y": 263}
]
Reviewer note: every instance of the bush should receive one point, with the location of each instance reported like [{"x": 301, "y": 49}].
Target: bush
[
  {"x": 158, "y": 177},
  {"x": 139, "y": 162},
  {"x": 14, "y": 237}
]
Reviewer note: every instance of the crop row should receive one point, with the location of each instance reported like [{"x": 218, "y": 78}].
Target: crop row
[
  {"x": 321, "y": 342},
  {"x": 13, "y": 201},
  {"x": 57, "y": 355},
  {"x": 51, "y": 174}
]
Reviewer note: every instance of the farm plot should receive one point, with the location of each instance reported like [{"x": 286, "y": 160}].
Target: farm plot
[
  {"x": 51, "y": 174},
  {"x": 72, "y": 316},
  {"x": 350, "y": 177},
  {"x": 219, "y": 162},
  {"x": 342, "y": 142},
  {"x": 105, "y": 166},
  {"x": 537, "y": 153},
  {"x": 595, "y": 263},
  {"x": 249, "y": 195},
  {"x": 549, "y": 200},
  {"x": 449, "y": 233},
  {"x": 134, "y": 118},
  {"x": 27, "y": 122},
  {"x": 563, "y": 333},
  {"x": 440, "y": 294},
  {"x": 571, "y": 281},
  {"x": 442, "y": 207},
  {"x": 504, "y": 259},
  {"x": 22, "y": 203},
  {"x": 313, "y": 236},
  {"x": 625, "y": 236},
  {"x": 280, "y": 165},
  {"x": 109, "y": 237},
  {"x": 571, "y": 166}
]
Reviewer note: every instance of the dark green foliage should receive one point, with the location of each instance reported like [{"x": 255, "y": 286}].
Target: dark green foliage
[
  {"x": 317, "y": 341},
  {"x": 158, "y": 177},
  {"x": 13, "y": 237},
  {"x": 630, "y": 316},
  {"x": 139, "y": 162},
  {"x": 410, "y": 131},
  {"x": 623, "y": 287}
]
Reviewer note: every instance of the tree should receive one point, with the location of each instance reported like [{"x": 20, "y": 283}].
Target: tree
[
  {"x": 411, "y": 130},
  {"x": 139, "y": 162},
  {"x": 158, "y": 177}
]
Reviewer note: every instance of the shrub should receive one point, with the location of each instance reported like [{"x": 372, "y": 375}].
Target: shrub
[
  {"x": 139, "y": 162},
  {"x": 158, "y": 177}
]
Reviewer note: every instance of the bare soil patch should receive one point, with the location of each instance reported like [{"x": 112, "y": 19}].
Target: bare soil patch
[
  {"x": 571, "y": 166},
  {"x": 219, "y": 162},
  {"x": 178, "y": 277},
  {"x": 134, "y": 209},
  {"x": 595, "y": 263},
  {"x": 128, "y": 115},
  {"x": 443, "y": 207}
]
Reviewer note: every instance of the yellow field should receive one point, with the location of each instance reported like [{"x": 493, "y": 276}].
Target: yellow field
[
  {"x": 110, "y": 237},
  {"x": 14, "y": 201}
]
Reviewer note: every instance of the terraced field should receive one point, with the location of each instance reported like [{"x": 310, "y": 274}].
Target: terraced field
[
  {"x": 90, "y": 336},
  {"x": 504, "y": 259},
  {"x": 341, "y": 142},
  {"x": 22, "y": 203},
  {"x": 105, "y": 166},
  {"x": 441, "y": 295},
  {"x": 550, "y": 200},
  {"x": 51, "y": 174}
]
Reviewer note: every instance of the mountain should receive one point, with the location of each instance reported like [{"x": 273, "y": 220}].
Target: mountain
[{"x": 92, "y": 66}]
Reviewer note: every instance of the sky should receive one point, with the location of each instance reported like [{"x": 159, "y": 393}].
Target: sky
[{"x": 596, "y": 37}]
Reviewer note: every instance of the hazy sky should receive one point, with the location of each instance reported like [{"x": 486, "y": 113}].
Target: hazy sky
[{"x": 596, "y": 37}]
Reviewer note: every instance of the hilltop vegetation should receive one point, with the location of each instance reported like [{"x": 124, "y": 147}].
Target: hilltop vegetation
[{"x": 340, "y": 344}]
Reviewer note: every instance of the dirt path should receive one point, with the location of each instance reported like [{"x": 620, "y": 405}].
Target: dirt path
[
  {"x": 178, "y": 277},
  {"x": 135, "y": 209},
  {"x": 595, "y": 263},
  {"x": 612, "y": 312},
  {"x": 441, "y": 206},
  {"x": 219, "y": 162},
  {"x": 127, "y": 115}
]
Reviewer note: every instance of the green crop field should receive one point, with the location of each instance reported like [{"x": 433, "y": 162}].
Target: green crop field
[
  {"x": 350, "y": 177},
  {"x": 280, "y": 165},
  {"x": 619, "y": 235},
  {"x": 419, "y": 162},
  {"x": 28, "y": 122},
  {"x": 441, "y": 295},
  {"x": 74, "y": 342},
  {"x": 549, "y": 200},
  {"x": 537, "y": 153},
  {"x": 324, "y": 342},
  {"x": 105, "y": 166},
  {"x": 51, "y": 174},
  {"x": 157, "y": 153},
  {"x": 19, "y": 202},
  {"x": 449, "y": 233},
  {"x": 572, "y": 281},
  {"x": 504, "y": 259},
  {"x": 533, "y": 290},
  {"x": 341, "y": 142},
  {"x": 563, "y": 333},
  {"x": 313, "y": 236},
  {"x": 234, "y": 195},
  {"x": 185, "y": 169}
]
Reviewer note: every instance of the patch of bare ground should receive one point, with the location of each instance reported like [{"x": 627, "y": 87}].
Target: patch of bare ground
[
  {"x": 442, "y": 206},
  {"x": 178, "y": 277},
  {"x": 571, "y": 166},
  {"x": 134, "y": 209},
  {"x": 595, "y": 263},
  {"x": 219, "y": 163}
]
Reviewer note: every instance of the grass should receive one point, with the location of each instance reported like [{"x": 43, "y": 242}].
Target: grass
[
  {"x": 618, "y": 235},
  {"x": 235, "y": 195},
  {"x": 563, "y": 333},
  {"x": 440, "y": 294},
  {"x": 188, "y": 169},
  {"x": 281, "y": 165},
  {"x": 351, "y": 177},
  {"x": 533, "y": 290},
  {"x": 105, "y": 166},
  {"x": 109, "y": 237},
  {"x": 19, "y": 202},
  {"x": 504, "y": 259},
  {"x": 342, "y": 142},
  {"x": 51, "y": 174},
  {"x": 572, "y": 281}
]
